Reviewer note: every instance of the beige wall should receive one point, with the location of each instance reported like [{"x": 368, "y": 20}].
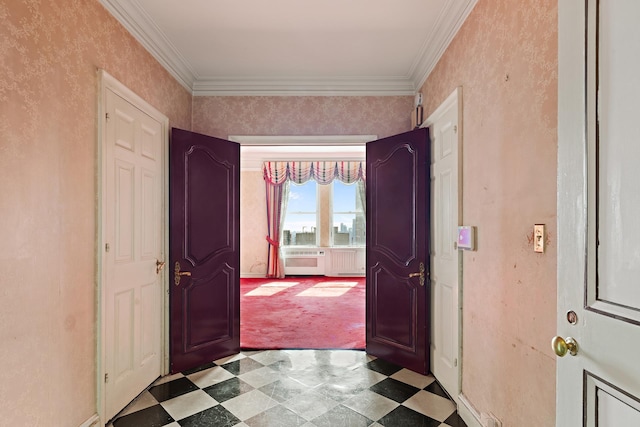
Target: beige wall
[
  {"x": 50, "y": 52},
  {"x": 505, "y": 59},
  {"x": 300, "y": 115}
]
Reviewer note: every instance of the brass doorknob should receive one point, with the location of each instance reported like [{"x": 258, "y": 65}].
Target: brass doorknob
[
  {"x": 420, "y": 274},
  {"x": 561, "y": 346},
  {"x": 177, "y": 274}
]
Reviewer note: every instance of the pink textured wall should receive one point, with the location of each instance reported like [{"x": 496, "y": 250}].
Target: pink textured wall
[
  {"x": 505, "y": 59},
  {"x": 301, "y": 115},
  {"x": 49, "y": 53}
]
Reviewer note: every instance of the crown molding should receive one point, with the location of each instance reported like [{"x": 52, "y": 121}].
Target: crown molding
[
  {"x": 137, "y": 22},
  {"x": 282, "y": 86},
  {"x": 447, "y": 26}
]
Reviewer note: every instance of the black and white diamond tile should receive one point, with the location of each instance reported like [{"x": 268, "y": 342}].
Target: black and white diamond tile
[
  {"x": 290, "y": 388},
  {"x": 171, "y": 389}
]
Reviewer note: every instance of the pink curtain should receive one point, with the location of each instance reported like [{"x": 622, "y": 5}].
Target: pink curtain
[
  {"x": 323, "y": 172},
  {"x": 277, "y": 195}
]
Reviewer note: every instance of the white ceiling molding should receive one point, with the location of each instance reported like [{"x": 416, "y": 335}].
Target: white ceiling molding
[
  {"x": 446, "y": 28},
  {"x": 137, "y": 21},
  {"x": 255, "y": 150},
  {"x": 354, "y": 86},
  {"x": 142, "y": 28}
]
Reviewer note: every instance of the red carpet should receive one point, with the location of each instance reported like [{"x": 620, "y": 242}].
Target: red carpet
[{"x": 302, "y": 312}]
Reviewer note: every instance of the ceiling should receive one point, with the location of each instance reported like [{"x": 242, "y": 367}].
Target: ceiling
[{"x": 295, "y": 47}]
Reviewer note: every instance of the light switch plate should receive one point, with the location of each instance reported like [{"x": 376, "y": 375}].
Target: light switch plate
[
  {"x": 538, "y": 238},
  {"x": 466, "y": 238}
]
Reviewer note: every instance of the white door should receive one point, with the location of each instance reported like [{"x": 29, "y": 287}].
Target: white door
[
  {"x": 133, "y": 180},
  {"x": 445, "y": 260},
  {"x": 599, "y": 213}
]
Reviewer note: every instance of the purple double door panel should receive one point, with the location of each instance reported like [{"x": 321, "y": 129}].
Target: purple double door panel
[
  {"x": 398, "y": 291},
  {"x": 204, "y": 295}
]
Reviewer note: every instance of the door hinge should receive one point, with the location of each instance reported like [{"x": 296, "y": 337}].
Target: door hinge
[
  {"x": 106, "y": 116},
  {"x": 455, "y": 363},
  {"x": 455, "y": 128},
  {"x": 106, "y": 378},
  {"x": 106, "y": 247}
]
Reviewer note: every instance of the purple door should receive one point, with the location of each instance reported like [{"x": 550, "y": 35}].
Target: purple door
[
  {"x": 397, "y": 249},
  {"x": 204, "y": 249}
]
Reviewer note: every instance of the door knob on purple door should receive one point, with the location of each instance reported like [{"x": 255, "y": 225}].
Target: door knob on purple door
[
  {"x": 177, "y": 274},
  {"x": 420, "y": 274}
]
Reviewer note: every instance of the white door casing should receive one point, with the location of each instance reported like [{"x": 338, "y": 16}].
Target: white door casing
[
  {"x": 446, "y": 136},
  {"x": 598, "y": 209},
  {"x": 133, "y": 240}
]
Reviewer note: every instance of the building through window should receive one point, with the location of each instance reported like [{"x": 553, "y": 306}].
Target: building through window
[
  {"x": 342, "y": 206},
  {"x": 301, "y": 216},
  {"x": 348, "y": 217}
]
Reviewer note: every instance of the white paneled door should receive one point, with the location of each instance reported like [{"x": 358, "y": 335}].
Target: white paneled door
[
  {"x": 133, "y": 253},
  {"x": 445, "y": 259},
  {"x": 598, "y": 342}
]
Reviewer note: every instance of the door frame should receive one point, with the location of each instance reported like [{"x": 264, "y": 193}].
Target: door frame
[
  {"x": 454, "y": 100},
  {"x": 106, "y": 82}
]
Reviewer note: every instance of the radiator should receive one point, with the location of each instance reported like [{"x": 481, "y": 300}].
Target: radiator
[
  {"x": 301, "y": 261},
  {"x": 345, "y": 262}
]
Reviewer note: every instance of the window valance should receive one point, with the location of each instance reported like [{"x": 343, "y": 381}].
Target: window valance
[{"x": 323, "y": 172}]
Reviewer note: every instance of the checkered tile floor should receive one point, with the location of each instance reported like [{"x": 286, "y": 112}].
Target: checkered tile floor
[{"x": 286, "y": 388}]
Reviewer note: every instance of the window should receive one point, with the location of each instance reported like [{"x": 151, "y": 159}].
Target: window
[
  {"x": 348, "y": 217},
  {"x": 301, "y": 216}
]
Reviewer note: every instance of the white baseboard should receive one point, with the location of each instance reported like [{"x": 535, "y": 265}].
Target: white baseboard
[
  {"x": 252, "y": 276},
  {"x": 468, "y": 413},
  {"x": 94, "y": 420}
]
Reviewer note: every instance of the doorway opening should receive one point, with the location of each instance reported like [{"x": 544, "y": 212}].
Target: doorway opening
[{"x": 324, "y": 260}]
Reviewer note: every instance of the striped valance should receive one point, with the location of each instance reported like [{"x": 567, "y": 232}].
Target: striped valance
[{"x": 322, "y": 172}]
